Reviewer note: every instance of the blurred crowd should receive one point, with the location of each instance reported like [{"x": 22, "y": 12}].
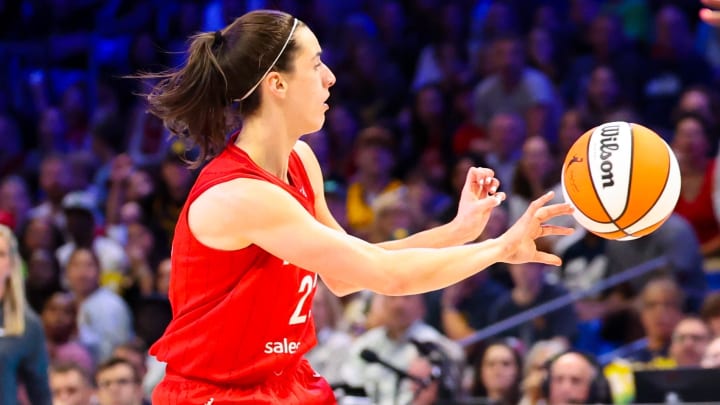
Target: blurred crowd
[{"x": 91, "y": 187}]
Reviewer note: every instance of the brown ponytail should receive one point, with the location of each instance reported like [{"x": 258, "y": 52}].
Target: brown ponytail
[{"x": 221, "y": 68}]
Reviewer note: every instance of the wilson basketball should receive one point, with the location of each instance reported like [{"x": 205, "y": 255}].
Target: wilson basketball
[{"x": 622, "y": 179}]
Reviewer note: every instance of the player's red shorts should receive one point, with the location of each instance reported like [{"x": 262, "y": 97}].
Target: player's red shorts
[{"x": 298, "y": 385}]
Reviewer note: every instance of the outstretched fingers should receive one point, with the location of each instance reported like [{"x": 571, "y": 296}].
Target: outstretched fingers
[
  {"x": 555, "y": 230},
  {"x": 551, "y": 211},
  {"x": 547, "y": 258}
]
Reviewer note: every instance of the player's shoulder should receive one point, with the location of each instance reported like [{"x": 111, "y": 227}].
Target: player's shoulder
[{"x": 303, "y": 150}]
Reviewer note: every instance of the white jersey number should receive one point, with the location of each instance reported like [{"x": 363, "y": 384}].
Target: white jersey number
[{"x": 306, "y": 287}]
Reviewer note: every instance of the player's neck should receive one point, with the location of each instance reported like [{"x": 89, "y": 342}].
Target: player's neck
[{"x": 268, "y": 144}]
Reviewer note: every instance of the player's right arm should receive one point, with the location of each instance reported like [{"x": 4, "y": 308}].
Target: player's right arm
[{"x": 241, "y": 212}]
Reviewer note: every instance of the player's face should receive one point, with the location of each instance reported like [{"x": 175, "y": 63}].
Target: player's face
[{"x": 308, "y": 84}]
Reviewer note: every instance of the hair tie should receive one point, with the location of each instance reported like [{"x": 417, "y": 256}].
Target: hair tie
[{"x": 218, "y": 39}]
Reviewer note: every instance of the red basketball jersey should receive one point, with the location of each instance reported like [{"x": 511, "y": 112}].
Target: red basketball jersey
[{"x": 238, "y": 316}]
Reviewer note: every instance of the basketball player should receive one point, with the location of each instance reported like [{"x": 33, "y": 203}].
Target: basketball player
[{"x": 255, "y": 231}]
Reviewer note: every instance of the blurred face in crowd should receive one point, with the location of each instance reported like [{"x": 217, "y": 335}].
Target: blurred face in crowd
[
  {"x": 570, "y": 378},
  {"x": 429, "y": 104},
  {"x": 696, "y": 101},
  {"x": 506, "y": 133},
  {"x": 83, "y": 272},
  {"x": 536, "y": 161},
  {"x": 509, "y": 54},
  {"x": 139, "y": 185},
  {"x": 499, "y": 370},
  {"x": 70, "y": 387},
  {"x": 689, "y": 341},
  {"x": 400, "y": 312},
  {"x": 119, "y": 385},
  {"x": 527, "y": 276},
  {"x": 603, "y": 88},
  {"x": 54, "y": 178},
  {"x": 690, "y": 142},
  {"x": 42, "y": 269},
  {"x": 39, "y": 234},
  {"x": 134, "y": 357},
  {"x": 660, "y": 309},
  {"x": 711, "y": 357},
  {"x": 58, "y": 317},
  {"x": 570, "y": 130},
  {"x": 14, "y": 197},
  {"x": 163, "y": 276}
]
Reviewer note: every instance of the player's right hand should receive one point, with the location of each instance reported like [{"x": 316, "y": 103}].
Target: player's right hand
[{"x": 519, "y": 240}]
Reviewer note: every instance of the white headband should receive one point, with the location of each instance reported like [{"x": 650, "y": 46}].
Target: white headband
[{"x": 272, "y": 65}]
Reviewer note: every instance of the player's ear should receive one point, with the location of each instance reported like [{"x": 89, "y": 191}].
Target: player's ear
[{"x": 276, "y": 84}]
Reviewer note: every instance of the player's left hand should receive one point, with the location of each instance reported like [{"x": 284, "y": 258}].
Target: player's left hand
[{"x": 478, "y": 198}]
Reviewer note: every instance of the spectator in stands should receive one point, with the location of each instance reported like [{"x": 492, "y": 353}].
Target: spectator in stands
[
  {"x": 673, "y": 64},
  {"x": 506, "y": 134},
  {"x": 463, "y": 307},
  {"x": 516, "y": 89},
  {"x": 700, "y": 100},
  {"x": 118, "y": 382},
  {"x": 54, "y": 182},
  {"x": 104, "y": 320},
  {"x": 532, "y": 289},
  {"x": 692, "y": 144},
  {"x": 660, "y": 303},
  {"x": 149, "y": 369},
  {"x": 43, "y": 277},
  {"x": 81, "y": 215},
  {"x": 711, "y": 357},
  {"x": 608, "y": 46},
  {"x": 571, "y": 128},
  {"x": 12, "y": 153},
  {"x": 498, "y": 374},
  {"x": 15, "y": 199},
  {"x": 22, "y": 341},
  {"x": 70, "y": 384},
  {"x": 330, "y": 353},
  {"x": 710, "y": 312},
  {"x": 690, "y": 339},
  {"x": 59, "y": 318},
  {"x": 603, "y": 99},
  {"x": 392, "y": 342},
  {"x": 171, "y": 191},
  {"x": 576, "y": 378},
  {"x": 676, "y": 241},
  {"x": 40, "y": 233},
  {"x": 375, "y": 160},
  {"x": 535, "y": 371},
  {"x": 392, "y": 217}
]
